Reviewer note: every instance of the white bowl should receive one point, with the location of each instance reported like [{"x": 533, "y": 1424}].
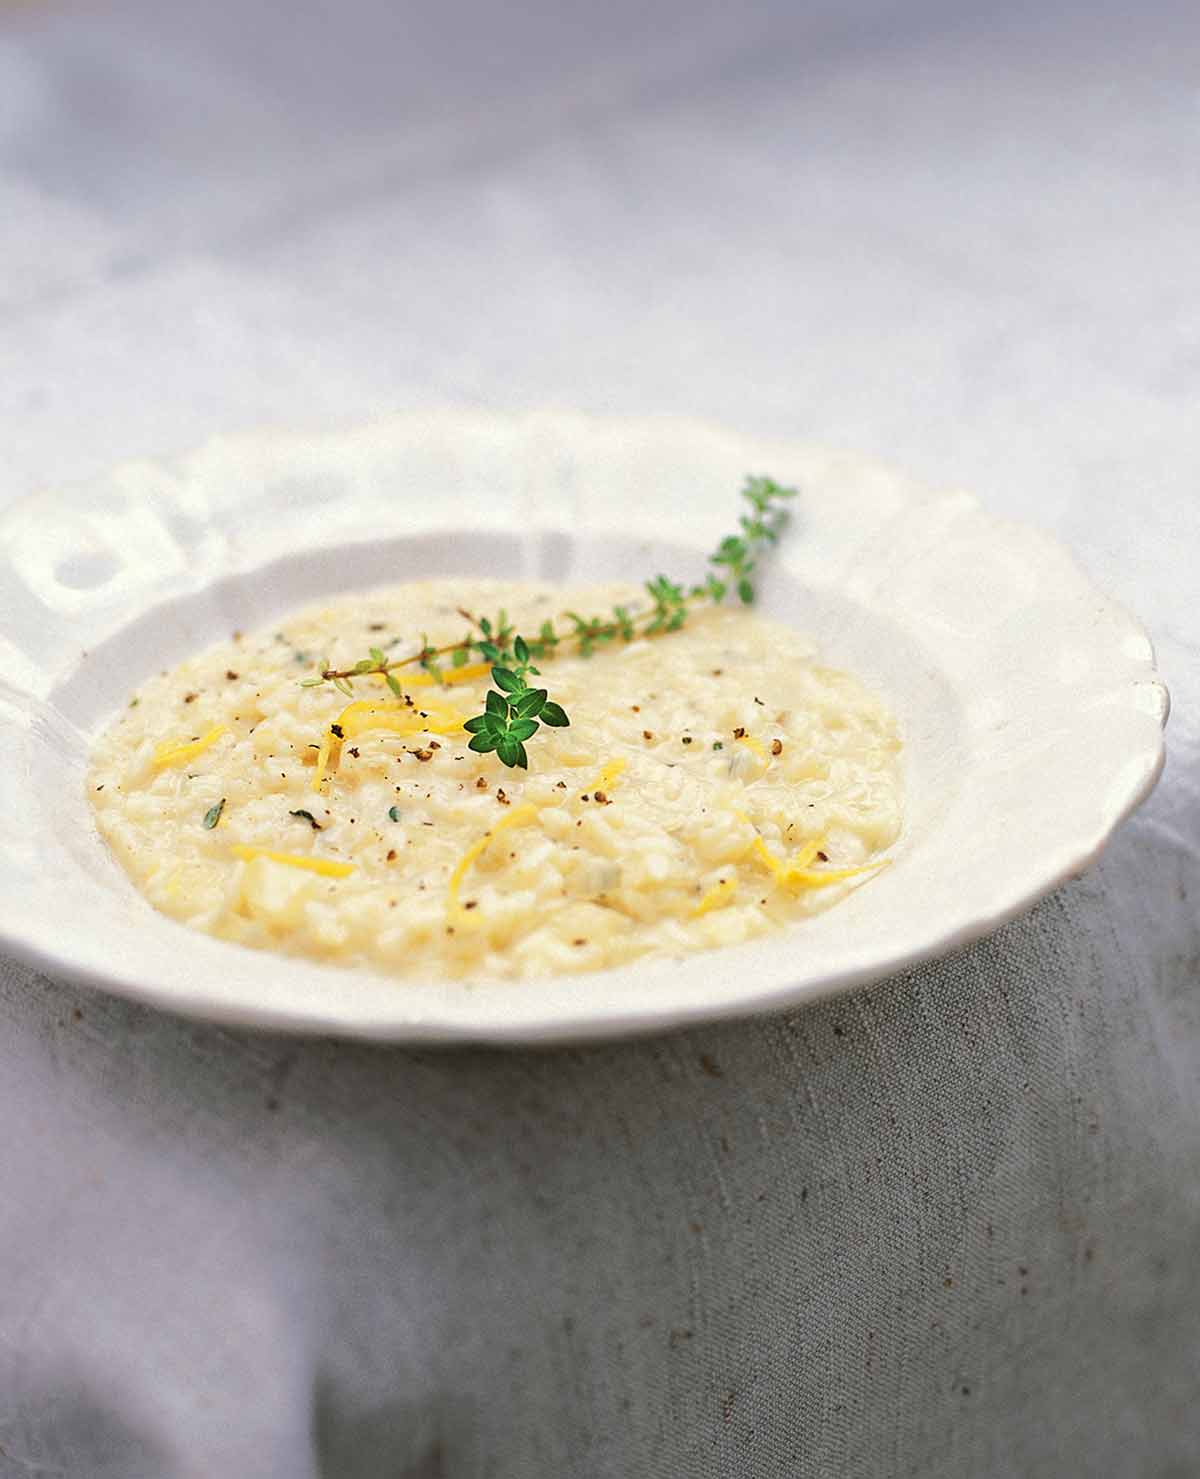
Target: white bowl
[{"x": 1031, "y": 712}]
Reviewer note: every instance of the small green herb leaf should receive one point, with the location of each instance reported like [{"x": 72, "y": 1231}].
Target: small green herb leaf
[
  {"x": 394, "y": 684},
  {"x": 213, "y": 815},
  {"x": 495, "y": 703},
  {"x": 523, "y": 729},
  {"x": 394, "y": 813},
  {"x": 484, "y": 742},
  {"x": 529, "y": 705},
  {"x": 554, "y": 715},
  {"x": 506, "y": 679},
  {"x": 478, "y": 725}
]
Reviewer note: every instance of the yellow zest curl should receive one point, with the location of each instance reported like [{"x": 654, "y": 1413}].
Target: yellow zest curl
[
  {"x": 755, "y": 747},
  {"x": 718, "y": 896},
  {"x": 325, "y": 866},
  {"x": 174, "y": 752},
  {"x": 526, "y": 812},
  {"x": 607, "y": 777},
  {"x": 795, "y": 872},
  {"x": 324, "y": 755},
  {"x": 357, "y": 718}
]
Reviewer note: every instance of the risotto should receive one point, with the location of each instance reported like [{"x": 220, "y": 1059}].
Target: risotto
[{"x": 713, "y": 784}]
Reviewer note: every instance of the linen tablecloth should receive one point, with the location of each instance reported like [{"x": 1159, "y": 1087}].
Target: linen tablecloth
[{"x": 946, "y": 1226}]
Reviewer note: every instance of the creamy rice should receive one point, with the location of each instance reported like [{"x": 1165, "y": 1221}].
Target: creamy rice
[{"x": 713, "y": 784}]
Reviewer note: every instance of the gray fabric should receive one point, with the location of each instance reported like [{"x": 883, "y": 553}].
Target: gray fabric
[{"x": 947, "y": 1226}]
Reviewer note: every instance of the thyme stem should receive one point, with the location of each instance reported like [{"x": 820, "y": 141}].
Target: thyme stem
[{"x": 514, "y": 711}]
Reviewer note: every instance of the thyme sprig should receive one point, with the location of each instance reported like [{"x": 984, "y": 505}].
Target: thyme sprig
[{"x": 514, "y": 710}]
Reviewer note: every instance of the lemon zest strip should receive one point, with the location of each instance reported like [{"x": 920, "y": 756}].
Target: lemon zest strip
[
  {"x": 795, "y": 871},
  {"x": 365, "y": 714},
  {"x": 755, "y": 747},
  {"x": 359, "y": 717},
  {"x": 325, "y": 866},
  {"x": 324, "y": 755},
  {"x": 523, "y": 813},
  {"x": 608, "y": 774},
  {"x": 718, "y": 896},
  {"x": 173, "y": 752}
]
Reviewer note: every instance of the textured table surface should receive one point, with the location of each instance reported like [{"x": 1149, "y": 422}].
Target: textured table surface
[{"x": 947, "y": 1226}]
